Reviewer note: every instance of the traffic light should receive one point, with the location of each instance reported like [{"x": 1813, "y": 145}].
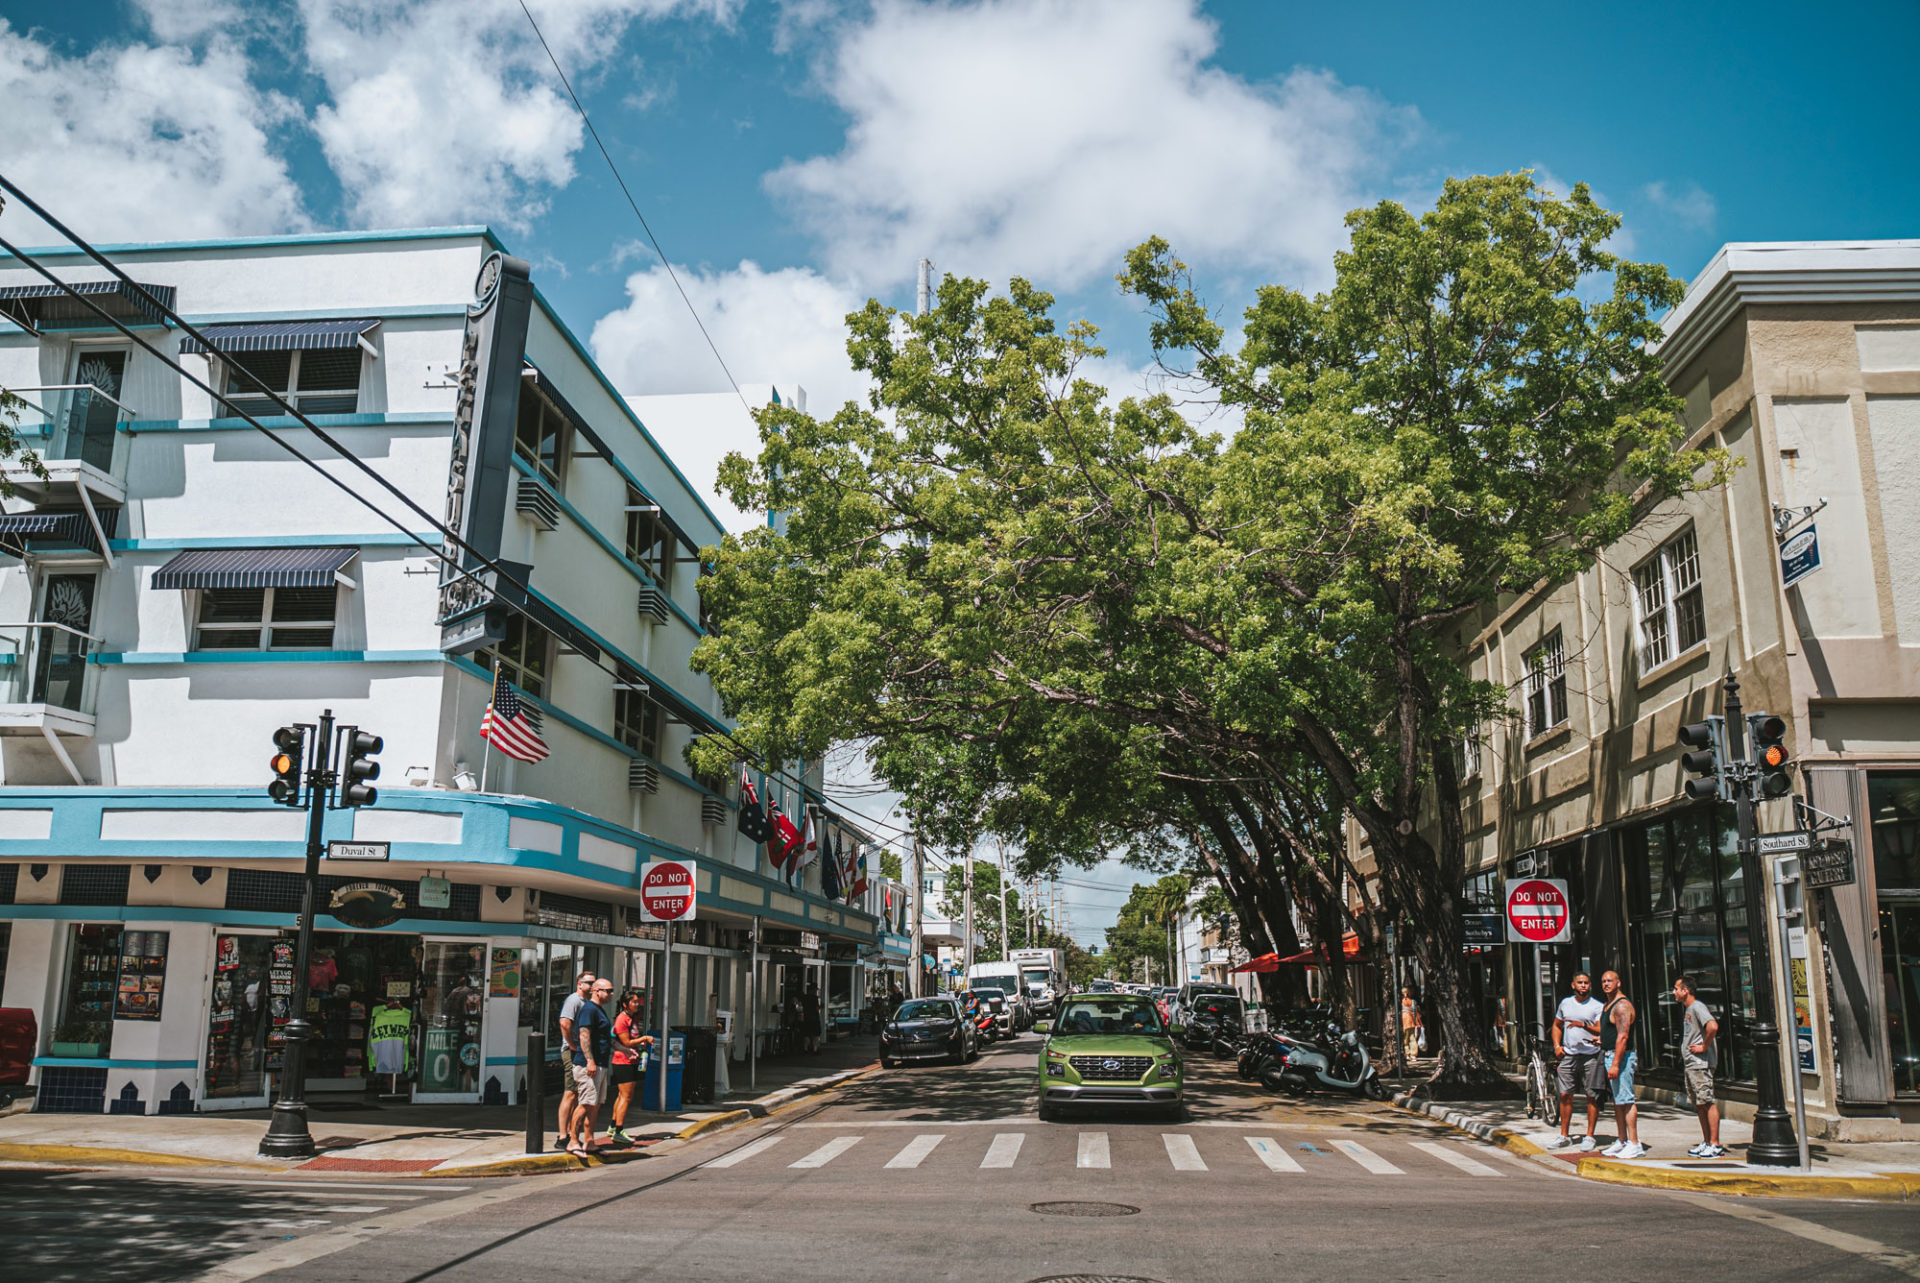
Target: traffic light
[
  {"x": 289, "y": 750},
  {"x": 357, "y": 774},
  {"x": 1769, "y": 735},
  {"x": 1707, "y": 763}
]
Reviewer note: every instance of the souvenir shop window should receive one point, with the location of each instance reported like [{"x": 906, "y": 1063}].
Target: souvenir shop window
[
  {"x": 84, "y": 1026},
  {"x": 143, "y": 975},
  {"x": 238, "y": 1018}
]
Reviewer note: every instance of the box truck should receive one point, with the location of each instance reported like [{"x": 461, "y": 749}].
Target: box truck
[{"x": 1044, "y": 971}]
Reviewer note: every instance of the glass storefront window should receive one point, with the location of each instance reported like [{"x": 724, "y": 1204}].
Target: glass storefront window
[
  {"x": 1893, "y": 798},
  {"x": 453, "y": 1002},
  {"x": 84, "y": 1028},
  {"x": 237, "y": 1019}
]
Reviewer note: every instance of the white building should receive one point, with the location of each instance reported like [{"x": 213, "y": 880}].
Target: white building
[{"x": 178, "y": 586}]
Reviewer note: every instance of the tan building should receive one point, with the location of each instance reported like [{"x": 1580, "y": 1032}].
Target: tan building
[{"x": 1803, "y": 361}]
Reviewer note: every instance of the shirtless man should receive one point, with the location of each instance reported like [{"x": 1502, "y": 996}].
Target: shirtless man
[{"x": 1616, "y": 1035}]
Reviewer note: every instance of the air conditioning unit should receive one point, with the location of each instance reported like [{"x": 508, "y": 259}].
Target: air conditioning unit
[
  {"x": 643, "y": 776},
  {"x": 653, "y": 606},
  {"x": 712, "y": 810},
  {"x": 534, "y": 501}
]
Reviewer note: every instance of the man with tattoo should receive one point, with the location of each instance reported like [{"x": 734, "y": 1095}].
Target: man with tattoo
[{"x": 1617, "y": 1028}]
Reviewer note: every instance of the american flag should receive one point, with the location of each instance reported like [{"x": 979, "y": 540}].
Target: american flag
[{"x": 509, "y": 725}]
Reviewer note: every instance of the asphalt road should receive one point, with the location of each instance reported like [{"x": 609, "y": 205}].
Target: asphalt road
[{"x": 944, "y": 1173}]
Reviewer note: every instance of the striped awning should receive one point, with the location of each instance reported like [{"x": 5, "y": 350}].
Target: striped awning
[
  {"x": 280, "y": 336},
  {"x": 35, "y": 307},
  {"x": 27, "y": 529},
  {"x": 253, "y": 568}
]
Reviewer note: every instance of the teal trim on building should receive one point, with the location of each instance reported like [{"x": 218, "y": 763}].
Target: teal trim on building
[
  {"x": 409, "y": 419},
  {"x": 75, "y": 1062},
  {"x": 429, "y": 311},
  {"x": 385, "y": 539},
  {"x": 269, "y": 657},
  {"x": 248, "y": 242}
]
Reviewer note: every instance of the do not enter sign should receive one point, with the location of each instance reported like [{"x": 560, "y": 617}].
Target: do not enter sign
[
  {"x": 1538, "y": 911},
  {"x": 667, "y": 891}
]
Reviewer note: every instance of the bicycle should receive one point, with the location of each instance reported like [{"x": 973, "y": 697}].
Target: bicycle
[{"x": 1538, "y": 1101}]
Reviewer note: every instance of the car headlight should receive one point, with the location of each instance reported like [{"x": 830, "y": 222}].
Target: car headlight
[
  {"x": 1056, "y": 1069},
  {"x": 1055, "y": 1055}
]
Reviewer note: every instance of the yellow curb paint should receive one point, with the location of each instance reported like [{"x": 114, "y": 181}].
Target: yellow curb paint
[
  {"x": 88, "y": 1154},
  {"x": 514, "y": 1166},
  {"x": 1511, "y": 1141},
  {"x": 1897, "y": 1187},
  {"x": 713, "y": 1122}
]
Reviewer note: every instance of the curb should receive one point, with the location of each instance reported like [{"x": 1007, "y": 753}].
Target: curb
[
  {"x": 527, "y": 1165},
  {"x": 11, "y": 1153},
  {"x": 1894, "y": 1187},
  {"x": 1504, "y": 1137},
  {"x": 714, "y": 1122}
]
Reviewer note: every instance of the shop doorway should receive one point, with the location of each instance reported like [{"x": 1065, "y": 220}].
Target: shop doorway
[
  {"x": 452, "y": 1008},
  {"x": 239, "y": 1022}
]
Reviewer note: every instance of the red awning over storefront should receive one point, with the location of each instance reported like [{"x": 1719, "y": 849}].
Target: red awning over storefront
[{"x": 1349, "y": 951}]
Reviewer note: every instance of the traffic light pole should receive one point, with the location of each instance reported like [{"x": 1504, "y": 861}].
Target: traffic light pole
[
  {"x": 287, "y": 1134},
  {"x": 1773, "y": 1143}
]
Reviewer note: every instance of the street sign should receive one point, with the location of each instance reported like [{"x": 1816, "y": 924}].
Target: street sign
[
  {"x": 667, "y": 891},
  {"x": 1830, "y": 864},
  {"x": 1538, "y": 911},
  {"x": 358, "y": 850},
  {"x": 1784, "y": 843},
  {"x": 1799, "y": 556},
  {"x": 436, "y": 893},
  {"x": 1481, "y": 929}
]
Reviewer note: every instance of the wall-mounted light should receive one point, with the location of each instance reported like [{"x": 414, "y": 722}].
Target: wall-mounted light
[
  {"x": 419, "y": 776},
  {"x": 463, "y": 778}
]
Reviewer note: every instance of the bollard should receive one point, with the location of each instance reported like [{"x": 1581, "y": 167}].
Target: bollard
[{"x": 536, "y": 1080}]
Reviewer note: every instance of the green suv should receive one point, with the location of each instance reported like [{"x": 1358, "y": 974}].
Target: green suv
[{"x": 1109, "y": 1049}]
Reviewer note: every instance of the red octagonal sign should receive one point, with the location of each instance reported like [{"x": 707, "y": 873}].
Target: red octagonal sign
[
  {"x": 667, "y": 891},
  {"x": 1538, "y": 911}
]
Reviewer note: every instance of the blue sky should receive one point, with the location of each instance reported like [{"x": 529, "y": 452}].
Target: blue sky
[{"x": 797, "y": 156}]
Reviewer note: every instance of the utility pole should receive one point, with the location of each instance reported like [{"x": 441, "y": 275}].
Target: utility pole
[
  {"x": 918, "y": 975},
  {"x": 923, "y": 299},
  {"x": 967, "y": 946},
  {"x": 1006, "y": 942}
]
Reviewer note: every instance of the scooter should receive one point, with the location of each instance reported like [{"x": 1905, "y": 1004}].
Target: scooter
[{"x": 1339, "y": 1062}]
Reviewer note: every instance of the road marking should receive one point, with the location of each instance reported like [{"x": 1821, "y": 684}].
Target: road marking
[
  {"x": 1454, "y": 1157},
  {"x": 1014, "y": 1120},
  {"x": 1180, "y": 1148},
  {"x": 1367, "y": 1158},
  {"x": 1276, "y": 1159},
  {"x": 827, "y": 1152},
  {"x": 745, "y": 1152},
  {"x": 1093, "y": 1151},
  {"x": 275, "y": 1192},
  {"x": 1893, "y": 1258},
  {"x": 916, "y": 1151},
  {"x": 1004, "y": 1150},
  {"x": 279, "y": 1186}
]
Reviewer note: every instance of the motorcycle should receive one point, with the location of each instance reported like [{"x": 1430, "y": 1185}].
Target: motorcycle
[{"x": 1335, "y": 1062}]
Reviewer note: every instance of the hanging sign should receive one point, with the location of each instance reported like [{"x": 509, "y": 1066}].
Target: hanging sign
[
  {"x": 1538, "y": 911},
  {"x": 1799, "y": 556},
  {"x": 436, "y": 893},
  {"x": 1481, "y": 929},
  {"x": 667, "y": 892},
  {"x": 1828, "y": 864},
  {"x": 358, "y": 850},
  {"x": 367, "y": 905}
]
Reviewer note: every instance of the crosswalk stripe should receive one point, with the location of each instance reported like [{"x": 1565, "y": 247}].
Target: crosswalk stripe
[
  {"x": 1367, "y": 1158},
  {"x": 827, "y": 1152},
  {"x": 1004, "y": 1150},
  {"x": 1276, "y": 1159},
  {"x": 916, "y": 1151},
  {"x": 1468, "y": 1165},
  {"x": 745, "y": 1152},
  {"x": 1093, "y": 1151},
  {"x": 1185, "y": 1156}
]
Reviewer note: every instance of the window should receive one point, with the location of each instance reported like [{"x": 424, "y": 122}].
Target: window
[
  {"x": 1546, "y": 685},
  {"x": 649, "y": 539},
  {"x": 265, "y": 619},
  {"x": 637, "y": 721},
  {"x": 1667, "y": 593},
  {"x": 525, "y": 655},
  {"x": 324, "y": 381},
  {"x": 542, "y": 435},
  {"x": 1470, "y": 756}
]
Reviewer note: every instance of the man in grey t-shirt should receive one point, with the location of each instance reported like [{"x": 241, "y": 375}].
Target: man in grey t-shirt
[
  {"x": 1575, "y": 1028},
  {"x": 582, "y": 986},
  {"x": 1698, "y": 1029}
]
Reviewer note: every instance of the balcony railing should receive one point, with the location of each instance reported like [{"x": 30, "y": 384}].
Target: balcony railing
[
  {"x": 82, "y": 423},
  {"x": 45, "y": 665}
]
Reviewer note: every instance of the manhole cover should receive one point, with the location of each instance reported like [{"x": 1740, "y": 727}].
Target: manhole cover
[
  {"x": 1083, "y": 1209},
  {"x": 1094, "y": 1278}
]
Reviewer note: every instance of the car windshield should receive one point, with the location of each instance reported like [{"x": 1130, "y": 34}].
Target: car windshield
[
  {"x": 925, "y": 1011},
  {"x": 1108, "y": 1016},
  {"x": 1210, "y": 1005},
  {"x": 987, "y": 992}
]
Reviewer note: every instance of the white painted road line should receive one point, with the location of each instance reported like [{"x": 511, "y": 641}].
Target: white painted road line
[
  {"x": 916, "y": 1151},
  {"x": 745, "y": 1152},
  {"x": 1004, "y": 1150},
  {"x": 1270, "y": 1153},
  {"x": 827, "y": 1152},
  {"x": 1181, "y": 1149},
  {"x": 1367, "y": 1158},
  {"x": 1454, "y": 1157},
  {"x": 1093, "y": 1150}
]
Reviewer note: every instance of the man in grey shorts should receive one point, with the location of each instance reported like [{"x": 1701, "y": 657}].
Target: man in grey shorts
[
  {"x": 1698, "y": 1029},
  {"x": 1576, "y": 1028}
]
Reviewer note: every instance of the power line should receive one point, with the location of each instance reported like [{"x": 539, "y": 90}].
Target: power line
[{"x": 635, "y": 206}]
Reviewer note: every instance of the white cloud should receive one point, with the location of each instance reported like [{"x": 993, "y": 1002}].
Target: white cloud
[
  {"x": 1688, "y": 203},
  {"x": 1046, "y": 138},
  {"x": 449, "y": 111},
  {"x": 142, "y": 142}
]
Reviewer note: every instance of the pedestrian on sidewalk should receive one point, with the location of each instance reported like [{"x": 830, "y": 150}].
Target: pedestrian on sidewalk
[
  {"x": 1618, "y": 1023},
  {"x": 1576, "y": 1029},
  {"x": 1409, "y": 1026},
  {"x": 592, "y": 1058},
  {"x": 1698, "y": 1056},
  {"x": 628, "y": 1045},
  {"x": 582, "y": 986},
  {"x": 810, "y": 1018}
]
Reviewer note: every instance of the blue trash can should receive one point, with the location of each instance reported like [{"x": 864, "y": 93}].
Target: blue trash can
[{"x": 676, "y": 1066}]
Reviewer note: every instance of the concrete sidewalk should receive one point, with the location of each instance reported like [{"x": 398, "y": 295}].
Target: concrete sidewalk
[
  {"x": 1881, "y": 1171},
  {"x": 358, "y": 1138}
]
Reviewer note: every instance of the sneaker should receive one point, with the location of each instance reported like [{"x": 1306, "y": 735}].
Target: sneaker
[
  {"x": 1631, "y": 1149},
  {"x": 1560, "y": 1142},
  {"x": 1698, "y": 1151},
  {"x": 1586, "y": 1144},
  {"x": 1614, "y": 1149},
  {"x": 1713, "y": 1151},
  {"x": 618, "y": 1136}
]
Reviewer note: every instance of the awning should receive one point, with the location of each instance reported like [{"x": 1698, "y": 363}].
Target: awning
[
  {"x": 26, "y": 529},
  {"x": 1349, "y": 951},
  {"x": 254, "y": 568},
  {"x": 38, "y": 307},
  {"x": 280, "y": 336}
]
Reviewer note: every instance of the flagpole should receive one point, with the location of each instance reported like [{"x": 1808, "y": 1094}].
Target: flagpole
[{"x": 486, "y": 743}]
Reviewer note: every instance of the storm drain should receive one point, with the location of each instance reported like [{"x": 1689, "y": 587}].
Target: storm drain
[{"x": 1083, "y": 1209}]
